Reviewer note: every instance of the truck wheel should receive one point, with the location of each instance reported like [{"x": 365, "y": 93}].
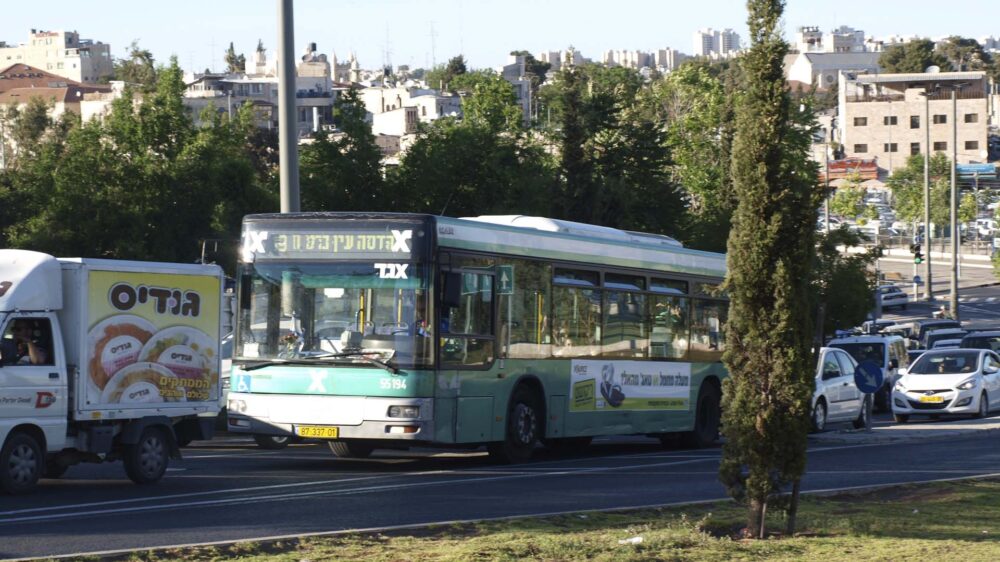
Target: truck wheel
[
  {"x": 272, "y": 442},
  {"x": 523, "y": 429},
  {"x": 146, "y": 460},
  {"x": 707, "y": 418},
  {"x": 20, "y": 464},
  {"x": 351, "y": 449}
]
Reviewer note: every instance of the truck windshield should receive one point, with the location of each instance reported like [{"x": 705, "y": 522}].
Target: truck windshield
[
  {"x": 864, "y": 351},
  {"x": 335, "y": 312}
]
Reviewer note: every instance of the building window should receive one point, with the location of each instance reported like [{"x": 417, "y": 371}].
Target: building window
[
  {"x": 940, "y": 146},
  {"x": 858, "y": 148},
  {"x": 972, "y": 118},
  {"x": 914, "y": 121},
  {"x": 890, "y": 147},
  {"x": 890, "y": 120},
  {"x": 860, "y": 121},
  {"x": 940, "y": 119},
  {"x": 914, "y": 148},
  {"x": 971, "y": 145}
]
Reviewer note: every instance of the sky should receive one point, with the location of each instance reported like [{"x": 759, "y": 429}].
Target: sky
[{"x": 421, "y": 33}]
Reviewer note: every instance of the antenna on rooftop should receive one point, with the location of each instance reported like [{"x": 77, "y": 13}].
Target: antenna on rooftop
[{"x": 433, "y": 41}]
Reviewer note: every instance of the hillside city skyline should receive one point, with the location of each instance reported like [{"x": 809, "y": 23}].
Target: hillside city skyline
[{"x": 381, "y": 32}]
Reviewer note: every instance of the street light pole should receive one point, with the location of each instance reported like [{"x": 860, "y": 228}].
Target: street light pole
[
  {"x": 954, "y": 203},
  {"x": 929, "y": 291}
]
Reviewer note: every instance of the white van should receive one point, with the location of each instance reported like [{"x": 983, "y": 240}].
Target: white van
[
  {"x": 888, "y": 352},
  {"x": 986, "y": 227}
]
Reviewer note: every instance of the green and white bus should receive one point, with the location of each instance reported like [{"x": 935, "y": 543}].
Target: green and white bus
[{"x": 393, "y": 330}]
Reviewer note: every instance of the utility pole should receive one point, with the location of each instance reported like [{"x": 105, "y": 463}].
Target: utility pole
[
  {"x": 929, "y": 290},
  {"x": 954, "y": 202},
  {"x": 288, "y": 137}
]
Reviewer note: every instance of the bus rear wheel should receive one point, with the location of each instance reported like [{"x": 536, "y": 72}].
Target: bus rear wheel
[
  {"x": 524, "y": 428},
  {"x": 351, "y": 449},
  {"x": 707, "y": 419}
]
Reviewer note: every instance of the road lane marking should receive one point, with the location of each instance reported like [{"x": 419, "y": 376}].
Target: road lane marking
[{"x": 14, "y": 516}]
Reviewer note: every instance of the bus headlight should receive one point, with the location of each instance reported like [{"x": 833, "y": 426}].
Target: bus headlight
[{"x": 404, "y": 411}]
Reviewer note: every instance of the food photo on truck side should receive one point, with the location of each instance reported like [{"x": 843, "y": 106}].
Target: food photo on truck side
[{"x": 104, "y": 360}]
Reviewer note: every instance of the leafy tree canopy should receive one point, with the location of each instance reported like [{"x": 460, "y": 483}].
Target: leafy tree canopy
[{"x": 913, "y": 56}]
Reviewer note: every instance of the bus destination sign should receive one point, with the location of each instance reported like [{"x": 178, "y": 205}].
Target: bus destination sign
[{"x": 362, "y": 243}]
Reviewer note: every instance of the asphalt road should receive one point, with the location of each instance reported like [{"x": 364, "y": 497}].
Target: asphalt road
[{"x": 228, "y": 490}]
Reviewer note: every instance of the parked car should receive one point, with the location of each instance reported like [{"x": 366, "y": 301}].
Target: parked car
[
  {"x": 982, "y": 340},
  {"x": 948, "y": 344},
  {"x": 837, "y": 398},
  {"x": 921, "y": 327},
  {"x": 934, "y": 336},
  {"x": 893, "y": 296},
  {"x": 876, "y": 326},
  {"x": 888, "y": 352},
  {"x": 948, "y": 381}
]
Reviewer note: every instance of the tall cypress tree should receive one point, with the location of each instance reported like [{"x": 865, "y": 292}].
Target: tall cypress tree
[{"x": 770, "y": 251}]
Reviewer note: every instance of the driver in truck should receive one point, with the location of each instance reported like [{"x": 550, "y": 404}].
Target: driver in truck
[{"x": 24, "y": 349}]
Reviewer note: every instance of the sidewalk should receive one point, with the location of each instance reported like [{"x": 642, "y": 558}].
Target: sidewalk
[{"x": 916, "y": 430}]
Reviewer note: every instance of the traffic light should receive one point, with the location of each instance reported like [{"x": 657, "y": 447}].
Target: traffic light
[{"x": 918, "y": 256}]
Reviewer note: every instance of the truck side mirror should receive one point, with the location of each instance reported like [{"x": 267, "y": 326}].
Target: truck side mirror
[
  {"x": 451, "y": 290},
  {"x": 246, "y": 291},
  {"x": 894, "y": 363}
]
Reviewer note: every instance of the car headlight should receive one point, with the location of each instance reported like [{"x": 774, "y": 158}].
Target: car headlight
[
  {"x": 967, "y": 385},
  {"x": 899, "y": 386}
]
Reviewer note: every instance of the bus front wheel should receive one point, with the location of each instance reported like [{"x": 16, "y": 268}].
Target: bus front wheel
[
  {"x": 351, "y": 449},
  {"x": 524, "y": 428}
]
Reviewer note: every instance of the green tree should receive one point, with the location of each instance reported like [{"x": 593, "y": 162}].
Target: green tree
[
  {"x": 23, "y": 129},
  {"x": 964, "y": 53},
  {"x": 842, "y": 284},
  {"x": 848, "y": 200},
  {"x": 342, "y": 171},
  {"x": 138, "y": 69},
  {"x": 766, "y": 398},
  {"x": 907, "y": 184},
  {"x": 147, "y": 184},
  {"x": 913, "y": 56},
  {"x": 236, "y": 63},
  {"x": 489, "y": 100},
  {"x": 694, "y": 104}
]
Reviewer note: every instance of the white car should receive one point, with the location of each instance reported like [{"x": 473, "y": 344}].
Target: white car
[
  {"x": 837, "y": 398},
  {"x": 948, "y": 381},
  {"x": 893, "y": 296}
]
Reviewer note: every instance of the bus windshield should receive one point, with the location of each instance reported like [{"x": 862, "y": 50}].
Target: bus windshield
[{"x": 340, "y": 312}]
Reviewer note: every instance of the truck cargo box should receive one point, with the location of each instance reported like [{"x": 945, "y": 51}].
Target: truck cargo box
[{"x": 141, "y": 338}]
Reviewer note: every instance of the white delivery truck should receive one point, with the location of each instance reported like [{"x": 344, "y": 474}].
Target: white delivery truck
[{"x": 104, "y": 360}]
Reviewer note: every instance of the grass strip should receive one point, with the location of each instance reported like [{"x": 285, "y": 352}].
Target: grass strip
[{"x": 942, "y": 521}]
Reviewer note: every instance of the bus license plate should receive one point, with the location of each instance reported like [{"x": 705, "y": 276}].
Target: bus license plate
[
  {"x": 317, "y": 431},
  {"x": 932, "y": 399}
]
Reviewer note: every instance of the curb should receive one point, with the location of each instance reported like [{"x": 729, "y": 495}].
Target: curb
[{"x": 880, "y": 437}]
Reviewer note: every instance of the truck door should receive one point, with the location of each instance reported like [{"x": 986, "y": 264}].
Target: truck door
[{"x": 33, "y": 376}]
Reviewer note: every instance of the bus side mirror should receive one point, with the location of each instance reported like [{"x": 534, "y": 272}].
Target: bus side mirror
[
  {"x": 451, "y": 291},
  {"x": 246, "y": 290}
]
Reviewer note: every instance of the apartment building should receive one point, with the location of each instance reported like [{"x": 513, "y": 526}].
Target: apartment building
[
  {"x": 62, "y": 53},
  {"x": 716, "y": 44},
  {"x": 889, "y": 116}
]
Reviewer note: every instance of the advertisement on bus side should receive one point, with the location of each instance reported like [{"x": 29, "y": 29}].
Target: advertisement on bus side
[{"x": 629, "y": 385}]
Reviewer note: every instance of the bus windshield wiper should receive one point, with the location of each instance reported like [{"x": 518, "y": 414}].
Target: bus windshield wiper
[{"x": 324, "y": 358}]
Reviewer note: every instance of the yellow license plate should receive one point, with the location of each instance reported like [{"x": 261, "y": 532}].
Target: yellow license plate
[
  {"x": 932, "y": 399},
  {"x": 318, "y": 431}
]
